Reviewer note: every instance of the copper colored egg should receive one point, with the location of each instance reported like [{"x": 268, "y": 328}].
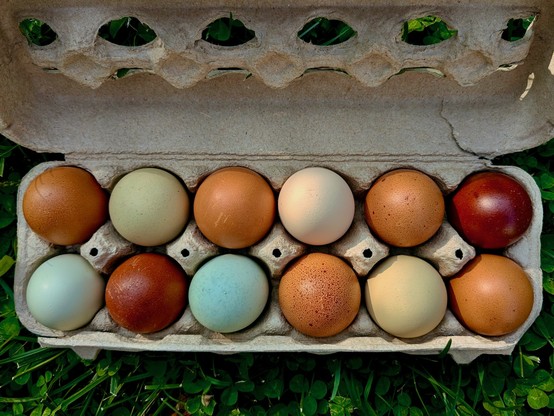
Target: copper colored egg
[
  {"x": 65, "y": 205},
  {"x": 491, "y": 295},
  {"x": 234, "y": 207},
  {"x": 146, "y": 293},
  {"x": 404, "y": 208},
  {"x": 319, "y": 295}
]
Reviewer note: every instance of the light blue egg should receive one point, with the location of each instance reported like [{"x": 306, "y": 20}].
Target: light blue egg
[{"x": 228, "y": 293}]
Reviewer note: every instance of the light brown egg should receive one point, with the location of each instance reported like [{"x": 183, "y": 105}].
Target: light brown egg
[
  {"x": 319, "y": 295},
  {"x": 65, "y": 205},
  {"x": 404, "y": 208},
  {"x": 146, "y": 293},
  {"x": 234, "y": 207},
  {"x": 491, "y": 295}
]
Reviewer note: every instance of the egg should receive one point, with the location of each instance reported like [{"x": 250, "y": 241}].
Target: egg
[
  {"x": 149, "y": 207},
  {"x": 490, "y": 210},
  {"x": 234, "y": 207},
  {"x": 319, "y": 295},
  {"x": 65, "y": 205},
  {"x": 316, "y": 206},
  {"x": 146, "y": 293},
  {"x": 404, "y": 208},
  {"x": 491, "y": 295},
  {"x": 65, "y": 292},
  {"x": 228, "y": 293},
  {"x": 406, "y": 296}
]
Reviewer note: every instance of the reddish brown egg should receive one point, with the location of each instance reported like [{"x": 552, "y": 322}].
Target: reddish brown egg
[
  {"x": 491, "y": 295},
  {"x": 146, "y": 293},
  {"x": 319, "y": 295},
  {"x": 490, "y": 210},
  {"x": 234, "y": 207},
  {"x": 404, "y": 208},
  {"x": 65, "y": 205}
]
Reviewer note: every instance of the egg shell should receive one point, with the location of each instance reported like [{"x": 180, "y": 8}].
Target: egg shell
[
  {"x": 146, "y": 293},
  {"x": 319, "y": 295},
  {"x": 234, "y": 207},
  {"x": 65, "y": 205},
  {"x": 228, "y": 293},
  {"x": 316, "y": 206},
  {"x": 404, "y": 208},
  {"x": 490, "y": 210},
  {"x": 65, "y": 292},
  {"x": 149, "y": 207},
  {"x": 491, "y": 295},
  {"x": 406, "y": 296}
]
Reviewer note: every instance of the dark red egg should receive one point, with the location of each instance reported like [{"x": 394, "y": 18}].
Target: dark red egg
[{"x": 490, "y": 210}]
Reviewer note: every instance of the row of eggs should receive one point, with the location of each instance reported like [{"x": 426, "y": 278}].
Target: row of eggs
[
  {"x": 235, "y": 207},
  {"x": 319, "y": 294}
]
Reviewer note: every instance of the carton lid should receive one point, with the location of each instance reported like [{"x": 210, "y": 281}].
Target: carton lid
[{"x": 357, "y": 100}]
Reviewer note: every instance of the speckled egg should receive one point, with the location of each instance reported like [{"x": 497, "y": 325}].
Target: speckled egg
[
  {"x": 316, "y": 206},
  {"x": 228, "y": 293},
  {"x": 405, "y": 296},
  {"x": 492, "y": 295},
  {"x": 404, "y": 208},
  {"x": 319, "y": 295},
  {"x": 65, "y": 292},
  {"x": 65, "y": 205},
  {"x": 234, "y": 207},
  {"x": 146, "y": 293},
  {"x": 149, "y": 207}
]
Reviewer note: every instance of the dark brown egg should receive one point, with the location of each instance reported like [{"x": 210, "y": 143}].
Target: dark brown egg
[
  {"x": 234, "y": 207},
  {"x": 491, "y": 295},
  {"x": 404, "y": 208},
  {"x": 65, "y": 205},
  {"x": 319, "y": 295},
  {"x": 146, "y": 293}
]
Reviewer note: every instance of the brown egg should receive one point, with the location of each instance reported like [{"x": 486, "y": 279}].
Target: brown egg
[
  {"x": 65, "y": 205},
  {"x": 319, "y": 295},
  {"x": 404, "y": 208},
  {"x": 146, "y": 293},
  {"x": 234, "y": 207},
  {"x": 491, "y": 295}
]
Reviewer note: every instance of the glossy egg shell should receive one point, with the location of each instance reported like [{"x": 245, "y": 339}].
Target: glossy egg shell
[
  {"x": 404, "y": 208},
  {"x": 491, "y": 295},
  {"x": 234, "y": 207},
  {"x": 490, "y": 210},
  {"x": 319, "y": 295},
  {"x": 65, "y": 205},
  {"x": 146, "y": 293}
]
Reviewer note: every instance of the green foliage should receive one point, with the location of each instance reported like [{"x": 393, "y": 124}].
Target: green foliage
[
  {"x": 37, "y": 32},
  {"x": 227, "y": 31},
  {"x": 127, "y": 31},
  {"x": 517, "y": 28},
  {"x": 324, "y": 32},
  {"x": 427, "y": 30}
]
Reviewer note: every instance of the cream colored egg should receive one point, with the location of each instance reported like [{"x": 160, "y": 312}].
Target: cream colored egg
[
  {"x": 316, "y": 206},
  {"x": 406, "y": 296},
  {"x": 149, "y": 207}
]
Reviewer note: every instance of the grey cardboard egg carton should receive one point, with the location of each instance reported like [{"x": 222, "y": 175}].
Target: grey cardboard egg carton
[{"x": 186, "y": 111}]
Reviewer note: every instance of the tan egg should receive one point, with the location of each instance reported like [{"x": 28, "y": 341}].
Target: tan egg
[
  {"x": 404, "y": 208},
  {"x": 65, "y": 205},
  {"x": 319, "y": 295},
  {"x": 146, "y": 293},
  {"x": 234, "y": 207},
  {"x": 491, "y": 295}
]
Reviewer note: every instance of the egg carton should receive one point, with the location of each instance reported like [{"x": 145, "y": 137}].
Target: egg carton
[{"x": 361, "y": 113}]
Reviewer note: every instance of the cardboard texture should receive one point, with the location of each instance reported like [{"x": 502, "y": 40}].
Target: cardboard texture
[{"x": 277, "y": 104}]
